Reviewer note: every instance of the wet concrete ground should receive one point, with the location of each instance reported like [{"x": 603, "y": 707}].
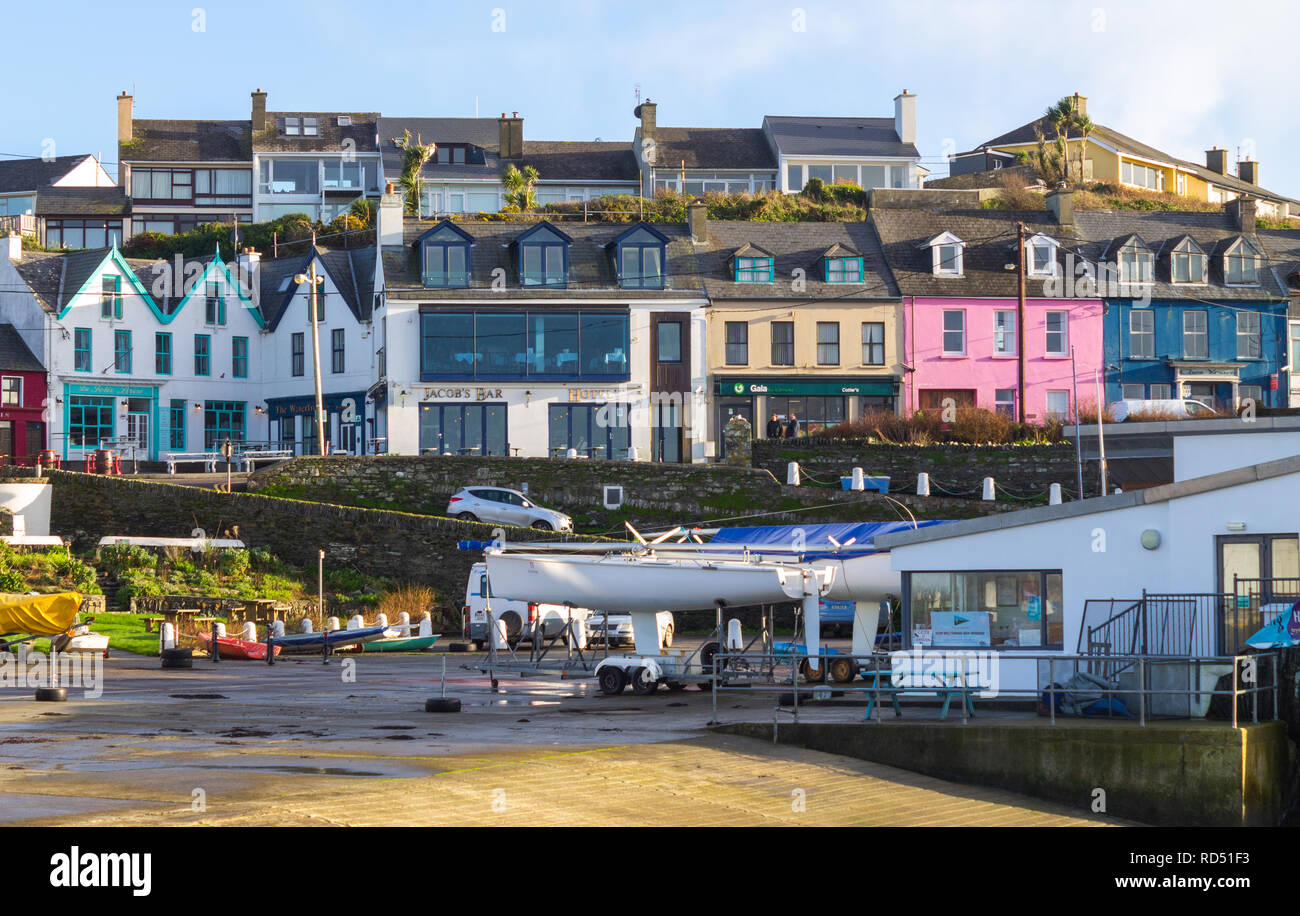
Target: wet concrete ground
[{"x": 350, "y": 743}]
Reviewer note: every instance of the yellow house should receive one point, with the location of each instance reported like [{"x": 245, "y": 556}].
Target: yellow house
[
  {"x": 1113, "y": 157},
  {"x": 803, "y": 323}
]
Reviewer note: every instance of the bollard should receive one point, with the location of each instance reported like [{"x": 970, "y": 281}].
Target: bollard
[
  {"x": 632, "y": 453},
  {"x": 216, "y": 655},
  {"x": 270, "y": 644},
  {"x": 305, "y": 625},
  {"x": 221, "y": 629},
  {"x": 923, "y": 484},
  {"x": 404, "y": 623},
  {"x": 571, "y": 453},
  {"x": 792, "y": 474},
  {"x": 381, "y": 620},
  {"x": 250, "y": 631},
  {"x": 990, "y": 493},
  {"x": 858, "y": 483},
  {"x": 166, "y": 636},
  {"x": 1054, "y": 496},
  {"x": 277, "y": 628},
  {"x": 332, "y": 623},
  {"x": 426, "y": 625}
]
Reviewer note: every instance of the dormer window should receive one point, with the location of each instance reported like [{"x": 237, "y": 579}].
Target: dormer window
[
  {"x": 110, "y": 299},
  {"x": 1040, "y": 256},
  {"x": 1241, "y": 264},
  {"x": 444, "y": 257},
  {"x": 946, "y": 255},
  {"x": 542, "y": 255},
  {"x": 639, "y": 258},
  {"x": 1135, "y": 262},
  {"x": 296, "y": 126},
  {"x": 751, "y": 264},
  {"x": 1187, "y": 263},
  {"x": 215, "y": 305}
]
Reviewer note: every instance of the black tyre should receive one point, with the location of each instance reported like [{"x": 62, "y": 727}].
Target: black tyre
[
  {"x": 675, "y": 686},
  {"x": 442, "y": 704},
  {"x": 705, "y": 686},
  {"x": 809, "y": 675},
  {"x": 177, "y": 653},
  {"x": 843, "y": 670},
  {"x": 668, "y": 636},
  {"x": 178, "y": 662},
  {"x": 542, "y": 526},
  {"x": 514, "y": 626},
  {"x": 707, "y": 652},
  {"x": 643, "y": 682},
  {"x": 467, "y": 517},
  {"x": 612, "y": 680},
  {"x": 458, "y": 647},
  {"x": 52, "y": 694}
]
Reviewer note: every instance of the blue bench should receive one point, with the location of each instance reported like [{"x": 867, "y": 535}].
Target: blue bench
[{"x": 965, "y": 692}]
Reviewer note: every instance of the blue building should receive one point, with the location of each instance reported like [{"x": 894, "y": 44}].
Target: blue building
[{"x": 1194, "y": 308}]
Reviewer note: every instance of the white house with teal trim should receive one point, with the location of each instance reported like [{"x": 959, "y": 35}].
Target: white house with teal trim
[{"x": 148, "y": 357}]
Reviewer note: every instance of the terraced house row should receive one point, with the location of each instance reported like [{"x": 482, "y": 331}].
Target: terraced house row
[{"x": 554, "y": 334}]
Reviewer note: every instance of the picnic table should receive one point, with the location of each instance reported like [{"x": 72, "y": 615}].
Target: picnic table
[{"x": 951, "y": 688}]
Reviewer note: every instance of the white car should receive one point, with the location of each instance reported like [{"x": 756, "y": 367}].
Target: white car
[
  {"x": 620, "y": 629},
  {"x": 505, "y": 507}
]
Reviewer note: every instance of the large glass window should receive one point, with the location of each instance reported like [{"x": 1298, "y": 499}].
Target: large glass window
[
  {"x": 1011, "y": 609},
  {"x": 297, "y": 354},
  {"x": 222, "y": 420},
  {"x": 223, "y": 187},
  {"x": 239, "y": 357},
  {"x": 501, "y": 344},
  {"x": 737, "y": 343},
  {"x": 782, "y": 343},
  {"x": 1250, "y": 344},
  {"x": 594, "y": 430},
  {"x": 447, "y": 344},
  {"x": 814, "y": 412},
  {"x": 176, "y": 423},
  {"x": 90, "y": 420},
  {"x": 463, "y": 429},
  {"x": 553, "y": 343},
  {"x": 519, "y": 345},
  {"x": 1142, "y": 334},
  {"x": 290, "y": 176},
  {"x": 202, "y": 354},
  {"x": 604, "y": 344},
  {"x": 754, "y": 270},
  {"x": 81, "y": 349}
]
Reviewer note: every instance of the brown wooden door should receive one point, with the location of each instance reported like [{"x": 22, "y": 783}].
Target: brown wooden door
[{"x": 670, "y": 383}]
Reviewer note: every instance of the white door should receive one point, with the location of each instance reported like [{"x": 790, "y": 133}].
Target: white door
[{"x": 137, "y": 430}]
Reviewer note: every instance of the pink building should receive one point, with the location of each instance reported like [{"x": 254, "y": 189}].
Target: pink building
[{"x": 963, "y": 331}]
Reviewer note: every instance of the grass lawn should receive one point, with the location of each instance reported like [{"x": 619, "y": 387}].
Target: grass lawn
[{"x": 125, "y": 632}]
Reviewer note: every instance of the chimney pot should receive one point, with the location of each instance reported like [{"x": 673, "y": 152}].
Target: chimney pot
[
  {"x": 259, "y": 110},
  {"x": 1216, "y": 160},
  {"x": 905, "y": 117},
  {"x": 1060, "y": 203},
  {"x": 1248, "y": 170}
]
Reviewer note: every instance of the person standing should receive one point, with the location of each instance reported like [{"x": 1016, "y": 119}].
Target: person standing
[
  {"x": 775, "y": 430},
  {"x": 792, "y": 427}
]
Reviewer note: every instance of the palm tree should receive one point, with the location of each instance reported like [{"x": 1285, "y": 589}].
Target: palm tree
[
  {"x": 521, "y": 188},
  {"x": 1066, "y": 119},
  {"x": 414, "y": 157}
]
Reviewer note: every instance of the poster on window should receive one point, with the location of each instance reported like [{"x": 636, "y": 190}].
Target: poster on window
[{"x": 960, "y": 628}]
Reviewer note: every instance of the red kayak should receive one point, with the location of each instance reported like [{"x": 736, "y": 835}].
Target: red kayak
[{"x": 229, "y": 647}]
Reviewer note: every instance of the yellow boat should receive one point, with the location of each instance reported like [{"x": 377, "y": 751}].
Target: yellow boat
[{"x": 38, "y": 615}]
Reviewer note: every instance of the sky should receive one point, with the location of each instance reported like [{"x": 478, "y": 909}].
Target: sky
[{"x": 1179, "y": 76}]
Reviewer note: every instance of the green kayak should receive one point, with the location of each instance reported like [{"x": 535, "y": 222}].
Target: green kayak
[{"x": 401, "y": 644}]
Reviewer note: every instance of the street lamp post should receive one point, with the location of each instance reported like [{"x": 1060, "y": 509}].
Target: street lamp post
[{"x": 313, "y": 280}]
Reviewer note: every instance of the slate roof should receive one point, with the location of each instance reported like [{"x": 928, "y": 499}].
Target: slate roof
[
  {"x": 1283, "y": 246},
  {"x": 713, "y": 148},
  {"x": 578, "y": 161},
  {"x": 990, "y": 237},
  {"x": 352, "y": 271},
  {"x": 859, "y": 137},
  {"x": 15, "y": 355},
  {"x": 481, "y": 132},
  {"x": 34, "y": 174},
  {"x": 54, "y": 278},
  {"x": 329, "y": 138},
  {"x": 82, "y": 202},
  {"x": 188, "y": 141},
  {"x": 691, "y": 269}
]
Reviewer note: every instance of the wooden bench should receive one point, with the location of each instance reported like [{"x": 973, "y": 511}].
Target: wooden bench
[
  {"x": 150, "y": 621},
  {"x": 207, "y": 459},
  {"x": 250, "y": 457}
]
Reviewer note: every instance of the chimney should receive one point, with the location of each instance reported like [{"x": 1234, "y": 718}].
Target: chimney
[
  {"x": 905, "y": 116},
  {"x": 259, "y": 110},
  {"x": 697, "y": 220},
  {"x": 510, "y": 136},
  {"x": 1081, "y": 104},
  {"x": 1060, "y": 203},
  {"x": 125, "y": 117},
  {"x": 1248, "y": 171},
  {"x": 648, "y": 113},
  {"x": 1243, "y": 212},
  {"x": 1216, "y": 160},
  {"x": 247, "y": 266},
  {"x": 390, "y": 217},
  {"x": 15, "y": 246}
]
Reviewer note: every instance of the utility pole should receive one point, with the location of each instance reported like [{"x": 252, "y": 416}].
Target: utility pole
[
  {"x": 1020, "y": 320},
  {"x": 313, "y": 280}
]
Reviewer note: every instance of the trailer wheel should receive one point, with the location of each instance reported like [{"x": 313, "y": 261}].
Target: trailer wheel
[
  {"x": 705, "y": 686},
  {"x": 52, "y": 694},
  {"x": 843, "y": 670},
  {"x": 675, "y": 686},
  {"x": 442, "y": 704},
  {"x": 809, "y": 675},
  {"x": 707, "y": 651},
  {"x": 514, "y": 626},
  {"x": 612, "y": 680},
  {"x": 643, "y": 682}
]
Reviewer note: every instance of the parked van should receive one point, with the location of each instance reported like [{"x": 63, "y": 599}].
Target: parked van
[
  {"x": 522, "y": 618},
  {"x": 1160, "y": 409}
]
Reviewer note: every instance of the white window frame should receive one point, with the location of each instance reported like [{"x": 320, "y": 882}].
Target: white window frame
[
  {"x": 1203, "y": 334},
  {"x": 1161, "y": 391},
  {"x": 1127, "y": 392},
  {"x": 1057, "y": 414},
  {"x": 1052, "y": 245},
  {"x": 947, "y": 240},
  {"x": 1143, "y": 262},
  {"x": 1257, "y": 334},
  {"x": 1063, "y": 332},
  {"x": 1231, "y": 255},
  {"x": 1144, "y": 333},
  {"x": 1006, "y": 340},
  {"x": 18, "y": 379},
  {"x": 1190, "y": 250},
  {"x": 945, "y": 331}
]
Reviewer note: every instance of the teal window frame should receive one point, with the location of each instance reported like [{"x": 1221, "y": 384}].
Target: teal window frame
[
  {"x": 81, "y": 349},
  {"x": 214, "y": 306},
  {"x": 122, "y": 352},
  {"x": 176, "y": 423},
  {"x": 754, "y": 270},
  {"x": 836, "y": 266},
  {"x": 223, "y": 420},
  {"x": 203, "y": 354},
  {"x": 110, "y": 297},
  {"x": 162, "y": 353},
  {"x": 89, "y": 413},
  {"x": 239, "y": 357}
]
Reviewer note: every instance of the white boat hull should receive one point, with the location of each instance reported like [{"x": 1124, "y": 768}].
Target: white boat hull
[{"x": 623, "y": 583}]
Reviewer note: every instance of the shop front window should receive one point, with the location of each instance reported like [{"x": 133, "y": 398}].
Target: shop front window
[{"x": 1007, "y": 609}]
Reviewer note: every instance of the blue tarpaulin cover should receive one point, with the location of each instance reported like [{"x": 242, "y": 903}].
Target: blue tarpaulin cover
[{"x": 812, "y": 541}]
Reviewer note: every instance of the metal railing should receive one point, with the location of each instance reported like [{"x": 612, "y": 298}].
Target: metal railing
[
  {"x": 1253, "y": 604},
  {"x": 1178, "y": 625},
  {"x": 1150, "y": 687}
]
